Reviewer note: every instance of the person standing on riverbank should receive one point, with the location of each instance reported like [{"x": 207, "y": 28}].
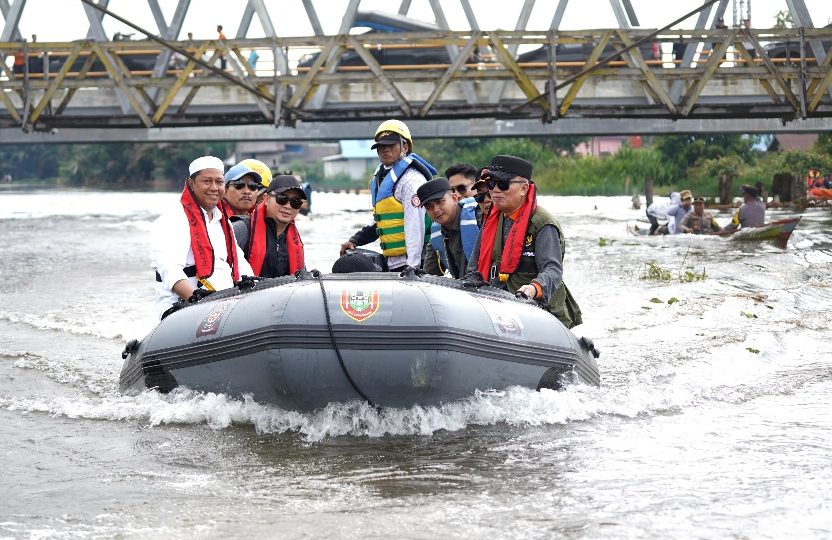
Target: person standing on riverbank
[
  {"x": 521, "y": 246},
  {"x": 399, "y": 217},
  {"x": 193, "y": 247}
]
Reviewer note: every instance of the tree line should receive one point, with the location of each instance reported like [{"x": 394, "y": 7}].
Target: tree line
[
  {"x": 670, "y": 161},
  {"x": 135, "y": 166}
]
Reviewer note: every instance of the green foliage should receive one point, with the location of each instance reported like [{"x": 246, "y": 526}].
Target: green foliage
[
  {"x": 655, "y": 300},
  {"x": 672, "y": 300},
  {"x": 681, "y": 152},
  {"x": 688, "y": 275},
  {"x": 752, "y": 350},
  {"x": 823, "y": 145},
  {"x": 542, "y": 151},
  {"x": 115, "y": 165},
  {"x": 748, "y": 315},
  {"x": 654, "y": 272},
  {"x": 783, "y": 19},
  {"x": 673, "y": 163},
  {"x": 603, "y": 242}
]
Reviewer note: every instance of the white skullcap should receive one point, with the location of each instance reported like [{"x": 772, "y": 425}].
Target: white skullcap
[{"x": 206, "y": 162}]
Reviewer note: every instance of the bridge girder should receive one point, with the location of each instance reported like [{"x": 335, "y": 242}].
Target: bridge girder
[{"x": 693, "y": 91}]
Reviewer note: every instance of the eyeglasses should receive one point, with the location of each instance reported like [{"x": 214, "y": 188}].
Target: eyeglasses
[
  {"x": 480, "y": 197},
  {"x": 281, "y": 199},
  {"x": 502, "y": 183},
  {"x": 461, "y": 188},
  {"x": 240, "y": 184}
]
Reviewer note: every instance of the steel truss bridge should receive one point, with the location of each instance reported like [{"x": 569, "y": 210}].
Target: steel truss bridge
[{"x": 721, "y": 80}]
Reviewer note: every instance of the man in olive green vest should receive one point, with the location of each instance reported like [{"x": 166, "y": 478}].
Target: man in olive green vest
[{"x": 521, "y": 246}]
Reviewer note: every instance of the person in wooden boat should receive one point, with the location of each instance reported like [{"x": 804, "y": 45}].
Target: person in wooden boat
[
  {"x": 454, "y": 230},
  {"x": 521, "y": 246},
  {"x": 193, "y": 246},
  {"x": 658, "y": 210},
  {"x": 399, "y": 220},
  {"x": 676, "y": 214},
  {"x": 752, "y": 213},
  {"x": 270, "y": 240},
  {"x": 699, "y": 221}
]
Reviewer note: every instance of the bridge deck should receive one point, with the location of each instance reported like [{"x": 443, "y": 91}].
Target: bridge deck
[{"x": 344, "y": 78}]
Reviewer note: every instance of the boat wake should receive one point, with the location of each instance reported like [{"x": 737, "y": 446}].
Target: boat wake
[{"x": 515, "y": 406}]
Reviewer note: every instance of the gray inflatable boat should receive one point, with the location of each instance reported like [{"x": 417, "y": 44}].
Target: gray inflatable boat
[{"x": 394, "y": 341}]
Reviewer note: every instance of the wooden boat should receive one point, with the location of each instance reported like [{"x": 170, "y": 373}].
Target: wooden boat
[{"x": 778, "y": 231}]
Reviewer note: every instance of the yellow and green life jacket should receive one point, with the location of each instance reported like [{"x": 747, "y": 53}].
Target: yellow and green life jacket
[{"x": 389, "y": 211}]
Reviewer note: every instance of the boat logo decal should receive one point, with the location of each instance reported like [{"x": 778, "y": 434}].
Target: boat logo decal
[
  {"x": 507, "y": 324},
  {"x": 359, "y": 305},
  {"x": 211, "y": 323}
]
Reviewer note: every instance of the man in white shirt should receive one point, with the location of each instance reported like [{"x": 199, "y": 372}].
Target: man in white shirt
[
  {"x": 193, "y": 246},
  {"x": 399, "y": 223}
]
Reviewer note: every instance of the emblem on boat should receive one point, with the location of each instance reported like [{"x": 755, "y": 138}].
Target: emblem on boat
[
  {"x": 359, "y": 305},
  {"x": 211, "y": 323}
]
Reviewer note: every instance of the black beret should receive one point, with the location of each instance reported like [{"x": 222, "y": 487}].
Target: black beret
[
  {"x": 511, "y": 165},
  {"x": 432, "y": 190}
]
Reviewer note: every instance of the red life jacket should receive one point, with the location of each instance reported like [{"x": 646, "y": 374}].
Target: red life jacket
[
  {"x": 201, "y": 244},
  {"x": 513, "y": 245},
  {"x": 256, "y": 248}
]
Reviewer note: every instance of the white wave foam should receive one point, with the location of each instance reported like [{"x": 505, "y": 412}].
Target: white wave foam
[
  {"x": 89, "y": 324},
  {"x": 515, "y": 406}
]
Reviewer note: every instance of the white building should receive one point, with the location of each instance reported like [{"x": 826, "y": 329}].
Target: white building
[{"x": 355, "y": 160}]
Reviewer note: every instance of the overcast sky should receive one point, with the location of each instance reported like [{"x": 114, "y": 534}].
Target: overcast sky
[{"x": 66, "y": 19}]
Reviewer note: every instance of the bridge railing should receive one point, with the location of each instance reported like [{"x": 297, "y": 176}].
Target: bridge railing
[{"x": 428, "y": 75}]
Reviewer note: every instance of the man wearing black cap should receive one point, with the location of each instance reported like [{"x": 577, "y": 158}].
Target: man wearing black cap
[
  {"x": 454, "y": 231},
  {"x": 752, "y": 213},
  {"x": 521, "y": 246},
  {"x": 270, "y": 240},
  {"x": 399, "y": 220}
]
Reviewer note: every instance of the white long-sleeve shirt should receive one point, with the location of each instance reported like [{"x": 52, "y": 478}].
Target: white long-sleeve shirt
[
  {"x": 414, "y": 220},
  {"x": 170, "y": 253}
]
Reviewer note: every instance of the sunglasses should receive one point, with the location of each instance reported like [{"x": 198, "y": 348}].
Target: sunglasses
[
  {"x": 480, "y": 197},
  {"x": 281, "y": 199},
  {"x": 501, "y": 183},
  {"x": 461, "y": 188},
  {"x": 240, "y": 184}
]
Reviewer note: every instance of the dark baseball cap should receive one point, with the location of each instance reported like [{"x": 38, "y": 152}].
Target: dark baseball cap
[
  {"x": 751, "y": 190},
  {"x": 433, "y": 190},
  {"x": 284, "y": 182},
  {"x": 510, "y": 166},
  {"x": 386, "y": 138}
]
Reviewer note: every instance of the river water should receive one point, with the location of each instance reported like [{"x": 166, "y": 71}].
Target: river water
[{"x": 714, "y": 418}]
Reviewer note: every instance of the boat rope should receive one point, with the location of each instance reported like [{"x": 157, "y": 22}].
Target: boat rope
[{"x": 317, "y": 275}]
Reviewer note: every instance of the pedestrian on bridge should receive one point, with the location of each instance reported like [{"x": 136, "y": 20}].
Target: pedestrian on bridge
[
  {"x": 399, "y": 218},
  {"x": 221, "y": 37}
]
